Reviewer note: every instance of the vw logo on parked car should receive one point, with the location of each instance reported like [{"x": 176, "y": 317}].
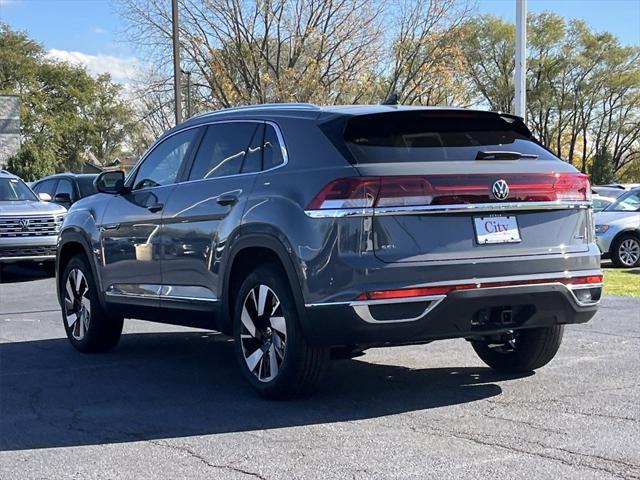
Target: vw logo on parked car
[
  {"x": 25, "y": 223},
  {"x": 500, "y": 189}
]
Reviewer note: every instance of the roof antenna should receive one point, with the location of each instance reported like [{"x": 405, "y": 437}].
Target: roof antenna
[{"x": 392, "y": 99}]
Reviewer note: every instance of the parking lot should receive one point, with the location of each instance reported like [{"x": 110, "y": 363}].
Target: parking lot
[{"x": 170, "y": 402}]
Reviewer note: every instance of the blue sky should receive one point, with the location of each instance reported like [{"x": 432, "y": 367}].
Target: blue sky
[{"x": 87, "y": 31}]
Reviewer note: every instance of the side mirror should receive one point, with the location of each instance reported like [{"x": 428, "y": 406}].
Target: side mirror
[
  {"x": 110, "y": 182},
  {"x": 63, "y": 198},
  {"x": 45, "y": 197}
]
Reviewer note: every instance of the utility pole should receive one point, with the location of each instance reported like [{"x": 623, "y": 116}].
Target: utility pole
[
  {"x": 188, "y": 75},
  {"x": 177, "y": 87},
  {"x": 521, "y": 58}
]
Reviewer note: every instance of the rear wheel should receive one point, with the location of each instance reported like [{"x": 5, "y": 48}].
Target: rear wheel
[
  {"x": 626, "y": 251},
  {"x": 271, "y": 349},
  {"x": 88, "y": 326},
  {"x": 520, "y": 351}
]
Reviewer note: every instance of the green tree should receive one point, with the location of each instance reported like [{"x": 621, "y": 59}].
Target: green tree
[
  {"x": 602, "y": 167},
  {"x": 65, "y": 112}
]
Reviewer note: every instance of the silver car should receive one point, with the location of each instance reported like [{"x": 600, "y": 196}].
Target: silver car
[
  {"x": 29, "y": 225},
  {"x": 618, "y": 230}
]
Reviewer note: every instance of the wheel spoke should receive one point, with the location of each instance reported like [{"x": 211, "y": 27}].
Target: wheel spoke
[
  {"x": 279, "y": 324},
  {"x": 262, "y": 298},
  {"x": 71, "y": 319},
  {"x": 70, "y": 293},
  {"x": 247, "y": 321},
  {"x": 253, "y": 359},
  {"x": 273, "y": 362},
  {"x": 275, "y": 306}
]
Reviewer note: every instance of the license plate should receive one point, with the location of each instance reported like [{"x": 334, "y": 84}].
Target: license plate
[{"x": 497, "y": 229}]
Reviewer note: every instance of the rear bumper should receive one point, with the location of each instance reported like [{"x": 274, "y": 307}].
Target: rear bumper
[{"x": 465, "y": 313}]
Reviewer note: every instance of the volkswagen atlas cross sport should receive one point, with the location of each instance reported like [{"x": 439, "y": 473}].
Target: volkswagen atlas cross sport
[
  {"x": 29, "y": 225},
  {"x": 311, "y": 232}
]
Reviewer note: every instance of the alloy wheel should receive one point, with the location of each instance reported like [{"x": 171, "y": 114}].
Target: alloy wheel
[
  {"x": 77, "y": 305},
  {"x": 629, "y": 252},
  {"x": 263, "y": 333}
]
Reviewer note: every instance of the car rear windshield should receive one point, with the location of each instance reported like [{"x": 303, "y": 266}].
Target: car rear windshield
[{"x": 428, "y": 136}]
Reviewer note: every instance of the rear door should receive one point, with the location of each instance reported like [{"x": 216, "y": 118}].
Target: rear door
[
  {"x": 459, "y": 185},
  {"x": 206, "y": 209}
]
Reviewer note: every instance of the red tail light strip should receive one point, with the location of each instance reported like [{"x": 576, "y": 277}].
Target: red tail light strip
[
  {"x": 446, "y": 289},
  {"x": 449, "y": 190}
]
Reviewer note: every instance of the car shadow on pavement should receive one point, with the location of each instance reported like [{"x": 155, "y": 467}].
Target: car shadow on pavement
[
  {"x": 23, "y": 272},
  {"x": 166, "y": 385}
]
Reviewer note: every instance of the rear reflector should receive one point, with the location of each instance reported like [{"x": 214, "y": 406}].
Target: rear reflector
[
  {"x": 401, "y": 191},
  {"x": 445, "y": 289}
]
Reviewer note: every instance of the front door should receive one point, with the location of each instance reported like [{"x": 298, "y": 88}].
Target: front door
[
  {"x": 206, "y": 209},
  {"x": 130, "y": 227}
]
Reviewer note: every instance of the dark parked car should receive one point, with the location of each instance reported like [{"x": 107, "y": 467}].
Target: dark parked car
[
  {"x": 308, "y": 232},
  {"x": 66, "y": 188}
]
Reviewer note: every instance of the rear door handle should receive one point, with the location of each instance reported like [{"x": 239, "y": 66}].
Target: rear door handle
[
  {"x": 156, "y": 207},
  {"x": 227, "y": 199}
]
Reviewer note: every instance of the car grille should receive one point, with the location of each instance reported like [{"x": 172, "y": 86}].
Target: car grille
[
  {"x": 27, "y": 251},
  {"x": 12, "y": 227}
]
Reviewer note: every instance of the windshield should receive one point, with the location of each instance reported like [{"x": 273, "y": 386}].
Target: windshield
[
  {"x": 13, "y": 189},
  {"x": 420, "y": 136},
  {"x": 629, "y": 202}
]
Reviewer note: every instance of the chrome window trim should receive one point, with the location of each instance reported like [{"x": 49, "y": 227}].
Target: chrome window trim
[
  {"x": 439, "y": 209},
  {"x": 276, "y": 127}
]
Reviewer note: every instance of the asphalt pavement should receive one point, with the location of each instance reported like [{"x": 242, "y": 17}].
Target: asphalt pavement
[{"x": 169, "y": 402}]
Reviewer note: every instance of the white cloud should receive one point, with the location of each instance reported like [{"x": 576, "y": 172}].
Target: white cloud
[{"x": 122, "y": 69}]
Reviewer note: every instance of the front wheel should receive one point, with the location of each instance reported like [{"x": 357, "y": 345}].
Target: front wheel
[
  {"x": 271, "y": 349},
  {"x": 625, "y": 252},
  {"x": 88, "y": 326},
  {"x": 520, "y": 351}
]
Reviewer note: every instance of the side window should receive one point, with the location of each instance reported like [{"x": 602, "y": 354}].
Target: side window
[
  {"x": 162, "y": 165},
  {"x": 253, "y": 158},
  {"x": 223, "y": 150},
  {"x": 272, "y": 156},
  {"x": 65, "y": 187},
  {"x": 46, "y": 186}
]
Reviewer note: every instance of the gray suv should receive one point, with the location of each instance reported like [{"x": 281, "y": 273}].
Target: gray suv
[
  {"x": 29, "y": 226},
  {"x": 311, "y": 232}
]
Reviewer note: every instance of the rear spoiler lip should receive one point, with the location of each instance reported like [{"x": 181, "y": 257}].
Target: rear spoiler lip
[{"x": 449, "y": 209}]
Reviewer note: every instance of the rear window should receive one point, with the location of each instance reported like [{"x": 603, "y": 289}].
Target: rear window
[{"x": 427, "y": 136}]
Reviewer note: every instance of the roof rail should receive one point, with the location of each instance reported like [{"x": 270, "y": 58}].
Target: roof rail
[{"x": 262, "y": 106}]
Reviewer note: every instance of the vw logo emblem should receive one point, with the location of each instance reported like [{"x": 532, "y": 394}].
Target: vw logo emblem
[
  {"x": 25, "y": 223},
  {"x": 500, "y": 189}
]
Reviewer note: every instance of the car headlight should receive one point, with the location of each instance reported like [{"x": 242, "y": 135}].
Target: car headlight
[{"x": 602, "y": 228}]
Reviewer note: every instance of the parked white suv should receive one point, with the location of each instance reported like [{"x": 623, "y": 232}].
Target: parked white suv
[{"x": 29, "y": 225}]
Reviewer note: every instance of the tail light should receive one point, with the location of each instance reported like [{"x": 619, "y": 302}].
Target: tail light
[{"x": 403, "y": 191}]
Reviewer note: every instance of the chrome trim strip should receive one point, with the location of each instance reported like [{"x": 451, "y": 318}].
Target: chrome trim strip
[
  {"x": 363, "y": 311},
  {"x": 339, "y": 213},
  {"x": 480, "y": 207},
  {"x": 162, "y": 292},
  {"x": 27, "y": 258},
  {"x": 439, "y": 209},
  {"x": 515, "y": 278}
]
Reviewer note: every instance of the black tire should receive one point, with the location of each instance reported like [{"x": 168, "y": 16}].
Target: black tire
[
  {"x": 533, "y": 348},
  {"x": 299, "y": 366},
  {"x": 101, "y": 331},
  {"x": 621, "y": 255}
]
